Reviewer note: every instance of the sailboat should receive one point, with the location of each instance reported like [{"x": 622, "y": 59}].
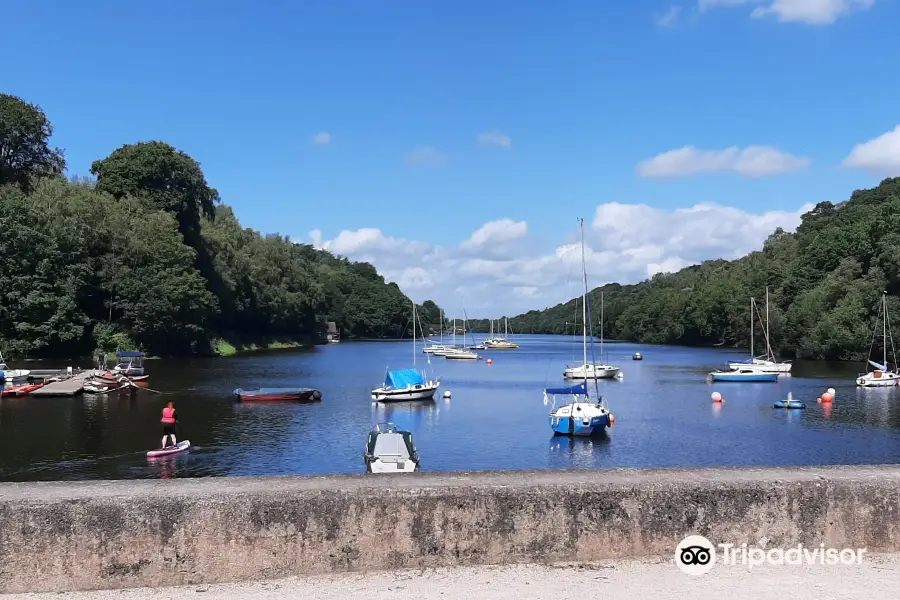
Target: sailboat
[
  {"x": 581, "y": 417},
  {"x": 881, "y": 376},
  {"x": 767, "y": 364},
  {"x": 501, "y": 343},
  {"x": 437, "y": 349},
  {"x": 461, "y": 353},
  {"x": 593, "y": 370},
  {"x": 406, "y": 384}
]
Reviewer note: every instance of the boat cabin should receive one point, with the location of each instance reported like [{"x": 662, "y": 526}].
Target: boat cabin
[
  {"x": 332, "y": 335},
  {"x": 129, "y": 363}
]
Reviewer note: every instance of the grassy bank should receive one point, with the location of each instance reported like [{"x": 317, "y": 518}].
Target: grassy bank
[{"x": 226, "y": 348}]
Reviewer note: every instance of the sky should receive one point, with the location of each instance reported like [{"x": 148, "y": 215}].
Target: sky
[{"x": 456, "y": 144}]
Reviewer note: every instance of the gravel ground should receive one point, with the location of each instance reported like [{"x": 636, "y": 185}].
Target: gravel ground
[{"x": 878, "y": 577}]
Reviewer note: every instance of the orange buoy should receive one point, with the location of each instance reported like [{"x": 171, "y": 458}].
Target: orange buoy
[
  {"x": 612, "y": 419},
  {"x": 826, "y": 397}
]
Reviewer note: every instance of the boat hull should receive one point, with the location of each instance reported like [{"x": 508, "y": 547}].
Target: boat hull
[
  {"x": 789, "y": 404},
  {"x": 377, "y": 466},
  {"x": 461, "y": 356},
  {"x": 275, "y": 395},
  {"x": 886, "y": 379},
  {"x": 753, "y": 377},
  {"x": 589, "y": 419},
  {"x": 422, "y": 392},
  {"x": 599, "y": 372},
  {"x": 762, "y": 366}
]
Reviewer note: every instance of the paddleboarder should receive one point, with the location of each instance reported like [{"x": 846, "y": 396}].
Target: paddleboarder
[{"x": 168, "y": 422}]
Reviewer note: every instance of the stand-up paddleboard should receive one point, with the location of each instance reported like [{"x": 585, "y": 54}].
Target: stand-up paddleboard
[{"x": 179, "y": 447}]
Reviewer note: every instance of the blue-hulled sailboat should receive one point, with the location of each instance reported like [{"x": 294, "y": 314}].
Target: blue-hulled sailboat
[{"x": 580, "y": 417}]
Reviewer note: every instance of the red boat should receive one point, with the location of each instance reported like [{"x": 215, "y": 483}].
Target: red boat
[
  {"x": 20, "y": 390},
  {"x": 278, "y": 395}
]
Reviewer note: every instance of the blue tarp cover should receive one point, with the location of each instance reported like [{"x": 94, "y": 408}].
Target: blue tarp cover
[
  {"x": 130, "y": 354},
  {"x": 580, "y": 389},
  {"x": 402, "y": 379}
]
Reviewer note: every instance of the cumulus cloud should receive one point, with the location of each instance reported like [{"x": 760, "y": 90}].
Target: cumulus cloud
[
  {"x": 752, "y": 161},
  {"x": 536, "y": 276},
  {"x": 668, "y": 18},
  {"x": 425, "y": 155},
  {"x": 495, "y": 138},
  {"x": 879, "y": 156},
  {"x": 812, "y": 12},
  {"x": 323, "y": 138}
]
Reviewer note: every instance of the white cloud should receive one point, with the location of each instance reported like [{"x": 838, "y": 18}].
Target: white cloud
[
  {"x": 495, "y": 138},
  {"x": 535, "y": 276},
  {"x": 752, "y": 161},
  {"x": 812, "y": 12},
  {"x": 879, "y": 156},
  {"x": 668, "y": 18},
  {"x": 323, "y": 137},
  {"x": 425, "y": 155}
]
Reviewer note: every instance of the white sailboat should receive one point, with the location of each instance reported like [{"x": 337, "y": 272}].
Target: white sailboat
[
  {"x": 437, "y": 349},
  {"x": 881, "y": 376},
  {"x": 406, "y": 384},
  {"x": 766, "y": 364},
  {"x": 593, "y": 370},
  {"x": 461, "y": 353},
  {"x": 501, "y": 343},
  {"x": 580, "y": 417}
]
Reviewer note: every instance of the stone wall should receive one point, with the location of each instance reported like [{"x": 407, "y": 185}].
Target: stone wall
[{"x": 91, "y": 535}]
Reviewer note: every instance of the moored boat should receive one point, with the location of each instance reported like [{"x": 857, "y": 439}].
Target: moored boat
[
  {"x": 744, "y": 374},
  {"x": 390, "y": 450},
  {"x": 7, "y": 374},
  {"x": 766, "y": 364},
  {"x": 20, "y": 390},
  {"x": 405, "y": 385},
  {"x": 129, "y": 363},
  {"x": 881, "y": 376},
  {"x": 278, "y": 395},
  {"x": 637, "y": 356}
]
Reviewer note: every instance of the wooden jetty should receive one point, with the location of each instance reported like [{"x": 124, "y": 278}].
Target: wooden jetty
[{"x": 67, "y": 387}]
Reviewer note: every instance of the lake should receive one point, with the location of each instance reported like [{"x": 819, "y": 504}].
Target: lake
[{"x": 496, "y": 418}]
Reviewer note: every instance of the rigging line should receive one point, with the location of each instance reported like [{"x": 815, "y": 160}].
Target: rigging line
[
  {"x": 874, "y": 334},
  {"x": 891, "y": 335}
]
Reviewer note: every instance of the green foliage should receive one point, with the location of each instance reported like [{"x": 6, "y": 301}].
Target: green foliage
[
  {"x": 138, "y": 261},
  {"x": 825, "y": 283},
  {"x": 166, "y": 178},
  {"x": 25, "y": 152}
]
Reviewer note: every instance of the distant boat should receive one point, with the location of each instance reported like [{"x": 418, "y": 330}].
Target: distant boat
[
  {"x": 500, "y": 343},
  {"x": 580, "y": 417},
  {"x": 278, "y": 395},
  {"x": 390, "y": 450},
  {"x": 436, "y": 349},
  {"x": 744, "y": 374},
  {"x": 593, "y": 370},
  {"x": 766, "y": 364},
  {"x": 461, "y": 353},
  {"x": 881, "y": 376},
  {"x": 789, "y": 402},
  {"x": 637, "y": 356}
]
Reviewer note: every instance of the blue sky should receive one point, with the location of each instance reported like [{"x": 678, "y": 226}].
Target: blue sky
[{"x": 569, "y": 98}]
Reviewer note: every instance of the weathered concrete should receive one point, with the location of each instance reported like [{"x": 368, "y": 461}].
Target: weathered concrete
[
  {"x": 875, "y": 579},
  {"x": 90, "y": 535}
]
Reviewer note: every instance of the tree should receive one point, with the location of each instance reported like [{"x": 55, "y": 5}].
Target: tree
[
  {"x": 165, "y": 178},
  {"x": 25, "y": 152}
]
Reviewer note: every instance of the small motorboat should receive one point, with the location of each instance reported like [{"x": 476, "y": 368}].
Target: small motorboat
[
  {"x": 390, "y": 450},
  {"x": 744, "y": 374},
  {"x": 20, "y": 390},
  {"x": 789, "y": 402},
  {"x": 591, "y": 371},
  {"x": 637, "y": 356},
  {"x": 278, "y": 395},
  {"x": 7, "y": 374}
]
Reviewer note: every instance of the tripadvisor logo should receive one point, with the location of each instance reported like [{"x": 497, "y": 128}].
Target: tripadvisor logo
[{"x": 696, "y": 555}]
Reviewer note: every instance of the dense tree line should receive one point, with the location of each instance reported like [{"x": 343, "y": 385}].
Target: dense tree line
[
  {"x": 825, "y": 284},
  {"x": 147, "y": 257}
]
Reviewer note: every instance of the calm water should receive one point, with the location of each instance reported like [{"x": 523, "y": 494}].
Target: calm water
[{"x": 495, "y": 420}]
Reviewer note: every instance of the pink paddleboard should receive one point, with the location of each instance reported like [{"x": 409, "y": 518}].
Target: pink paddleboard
[{"x": 179, "y": 447}]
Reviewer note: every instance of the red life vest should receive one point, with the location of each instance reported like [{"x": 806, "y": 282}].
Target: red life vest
[{"x": 168, "y": 415}]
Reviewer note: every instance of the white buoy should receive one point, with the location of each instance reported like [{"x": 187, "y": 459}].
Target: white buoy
[
  {"x": 447, "y": 394},
  {"x": 620, "y": 375},
  {"x": 831, "y": 391}
]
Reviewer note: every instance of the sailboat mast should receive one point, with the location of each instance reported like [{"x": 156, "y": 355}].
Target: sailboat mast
[
  {"x": 414, "y": 332},
  {"x": 584, "y": 303},
  {"x": 884, "y": 328},
  {"x": 768, "y": 347},
  {"x": 442, "y": 328},
  {"x": 752, "y": 304},
  {"x": 601, "y": 320}
]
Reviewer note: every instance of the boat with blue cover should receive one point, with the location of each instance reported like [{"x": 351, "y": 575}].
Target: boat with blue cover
[
  {"x": 581, "y": 417},
  {"x": 405, "y": 385},
  {"x": 743, "y": 374}
]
